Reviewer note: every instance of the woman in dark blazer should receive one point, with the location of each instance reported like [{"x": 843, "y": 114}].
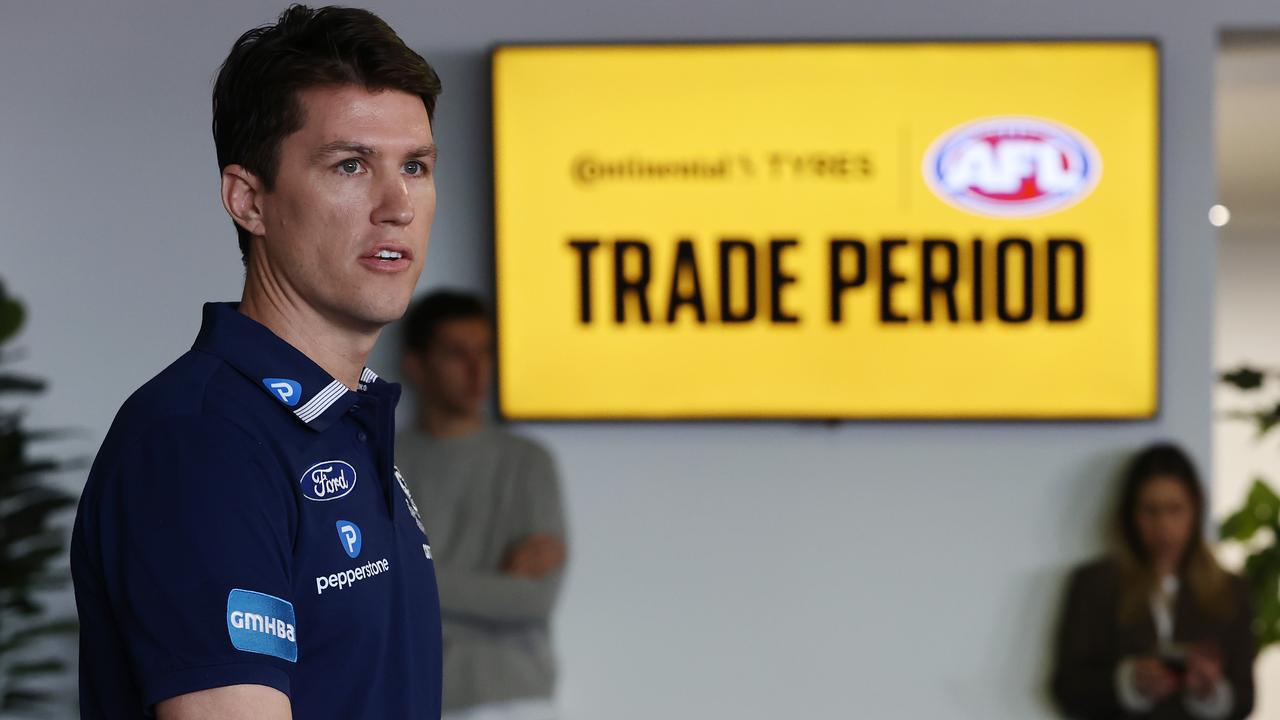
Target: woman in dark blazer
[{"x": 1158, "y": 629}]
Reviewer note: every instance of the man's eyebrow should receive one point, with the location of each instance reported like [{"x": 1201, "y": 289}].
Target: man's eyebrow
[
  {"x": 342, "y": 146},
  {"x": 424, "y": 151},
  {"x": 348, "y": 146}
]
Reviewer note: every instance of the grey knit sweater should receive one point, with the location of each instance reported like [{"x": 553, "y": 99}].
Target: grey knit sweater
[{"x": 479, "y": 495}]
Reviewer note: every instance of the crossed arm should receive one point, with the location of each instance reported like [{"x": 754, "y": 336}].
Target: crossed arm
[
  {"x": 525, "y": 587},
  {"x": 525, "y": 590}
]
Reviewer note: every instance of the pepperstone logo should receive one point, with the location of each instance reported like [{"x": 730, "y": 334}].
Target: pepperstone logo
[
  {"x": 349, "y": 535},
  {"x": 344, "y": 579},
  {"x": 285, "y": 390},
  {"x": 263, "y": 624}
]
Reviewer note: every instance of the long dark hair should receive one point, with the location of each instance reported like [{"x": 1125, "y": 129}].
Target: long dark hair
[{"x": 1198, "y": 570}]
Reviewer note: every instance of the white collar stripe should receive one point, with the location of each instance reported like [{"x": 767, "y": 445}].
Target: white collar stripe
[
  {"x": 319, "y": 404},
  {"x": 325, "y": 398},
  {"x": 368, "y": 376},
  {"x": 308, "y": 411},
  {"x": 316, "y": 406}
]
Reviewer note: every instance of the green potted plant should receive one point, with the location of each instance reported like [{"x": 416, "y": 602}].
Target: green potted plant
[
  {"x": 1256, "y": 524},
  {"x": 30, "y": 544}
]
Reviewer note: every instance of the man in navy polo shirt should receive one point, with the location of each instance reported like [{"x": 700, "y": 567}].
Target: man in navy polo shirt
[{"x": 245, "y": 547}]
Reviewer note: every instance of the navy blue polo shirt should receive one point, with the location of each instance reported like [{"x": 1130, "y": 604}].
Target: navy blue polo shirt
[{"x": 244, "y": 522}]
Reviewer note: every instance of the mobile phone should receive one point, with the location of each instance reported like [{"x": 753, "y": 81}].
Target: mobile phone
[{"x": 1176, "y": 664}]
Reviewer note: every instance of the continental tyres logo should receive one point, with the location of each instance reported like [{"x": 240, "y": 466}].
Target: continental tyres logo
[{"x": 1012, "y": 167}]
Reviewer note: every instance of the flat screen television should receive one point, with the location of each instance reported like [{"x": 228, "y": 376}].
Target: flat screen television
[{"x": 827, "y": 230}]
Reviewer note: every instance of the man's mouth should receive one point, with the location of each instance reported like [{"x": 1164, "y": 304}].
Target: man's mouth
[{"x": 389, "y": 257}]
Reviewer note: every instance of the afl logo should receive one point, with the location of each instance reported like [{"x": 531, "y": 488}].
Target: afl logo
[
  {"x": 328, "y": 480},
  {"x": 1012, "y": 167}
]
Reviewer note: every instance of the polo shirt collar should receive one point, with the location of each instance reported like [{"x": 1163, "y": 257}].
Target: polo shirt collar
[{"x": 292, "y": 379}]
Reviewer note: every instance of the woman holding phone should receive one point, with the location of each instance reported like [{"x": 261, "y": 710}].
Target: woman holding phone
[{"x": 1157, "y": 629}]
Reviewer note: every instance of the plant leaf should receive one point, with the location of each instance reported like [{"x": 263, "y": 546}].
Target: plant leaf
[
  {"x": 1244, "y": 378},
  {"x": 1239, "y": 526},
  {"x": 18, "y": 698},
  {"x": 23, "y": 605},
  {"x": 1263, "y": 502},
  {"x": 19, "y": 383},
  {"x": 12, "y": 315},
  {"x": 36, "y": 667},
  {"x": 1261, "y": 509},
  {"x": 31, "y": 519},
  {"x": 29, "y": 634},
  {"x": 1267, "y": 419}
]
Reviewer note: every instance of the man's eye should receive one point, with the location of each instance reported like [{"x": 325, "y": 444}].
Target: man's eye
[
  {"x": 349, "y": 167},
  {"x": 413, "y": 167}
]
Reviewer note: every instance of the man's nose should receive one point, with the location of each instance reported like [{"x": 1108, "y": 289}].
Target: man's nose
[{"x": 393, "y": 205}]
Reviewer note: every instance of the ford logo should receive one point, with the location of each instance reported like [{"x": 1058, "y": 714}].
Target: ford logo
[
  {"x": 1012, "y": 167},
  {"x": 328, "y": 480}
]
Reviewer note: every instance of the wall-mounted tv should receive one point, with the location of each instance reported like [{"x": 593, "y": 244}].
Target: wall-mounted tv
[{"x": 870, "y": 230}]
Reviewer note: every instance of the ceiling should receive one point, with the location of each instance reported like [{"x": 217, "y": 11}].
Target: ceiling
[{"x": 1247, "y": 120}]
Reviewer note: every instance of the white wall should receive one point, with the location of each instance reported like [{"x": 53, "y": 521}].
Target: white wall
[
  {"x": 1245, "y": 334},
  {"x": 719, "y": 570},
  {"x": 1248, "y": 143},
  {"x": 1248, "y": 248}
]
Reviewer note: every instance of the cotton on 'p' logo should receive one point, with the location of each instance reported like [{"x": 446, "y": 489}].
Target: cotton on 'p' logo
[{"x": 286, "y": 391}]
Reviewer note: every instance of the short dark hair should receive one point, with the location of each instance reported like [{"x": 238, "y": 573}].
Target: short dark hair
[
  {"x": 255, "y": 97},
  {"x": 429, "y": 312}
]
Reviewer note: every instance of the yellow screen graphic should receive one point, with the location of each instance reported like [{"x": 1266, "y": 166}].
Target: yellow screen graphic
[{"x": 919, "y": 230}]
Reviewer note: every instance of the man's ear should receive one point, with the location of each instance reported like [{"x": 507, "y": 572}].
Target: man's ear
[{"x": 242, "y": 193}]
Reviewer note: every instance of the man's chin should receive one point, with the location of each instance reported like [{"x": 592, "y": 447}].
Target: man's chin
[{"x": 376, "y": 315}]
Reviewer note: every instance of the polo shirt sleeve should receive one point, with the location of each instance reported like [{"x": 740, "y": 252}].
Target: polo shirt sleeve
[{"x": 196, "y": 552}]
